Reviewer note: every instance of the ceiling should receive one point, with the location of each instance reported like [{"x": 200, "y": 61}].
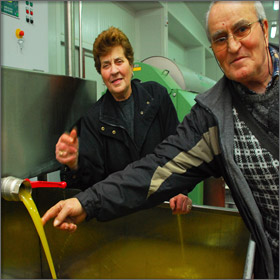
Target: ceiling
[
  {"x": 137, "y": 6},
  {"x": 199, "y": 9}
]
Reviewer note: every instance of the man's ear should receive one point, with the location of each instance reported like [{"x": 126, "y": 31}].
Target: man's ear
[{"x": 264, "y": 26}]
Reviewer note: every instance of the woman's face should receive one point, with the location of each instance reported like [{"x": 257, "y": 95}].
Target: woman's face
[{"x": 116, "y": 73}]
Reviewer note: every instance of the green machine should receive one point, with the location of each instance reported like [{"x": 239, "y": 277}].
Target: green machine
[{"x": 168, "y": 74}]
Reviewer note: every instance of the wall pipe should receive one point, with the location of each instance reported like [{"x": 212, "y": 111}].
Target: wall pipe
[
  {"x": 80, "y": 40},
  {"x": 69, "y": 38},
  {"x": 10, "y": 187}
]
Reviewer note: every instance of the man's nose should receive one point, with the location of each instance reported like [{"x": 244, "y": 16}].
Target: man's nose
[{"x": 233, "y": 44}]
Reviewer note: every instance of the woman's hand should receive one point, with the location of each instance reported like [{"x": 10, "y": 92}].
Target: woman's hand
[{"x": 67, "y": 149}]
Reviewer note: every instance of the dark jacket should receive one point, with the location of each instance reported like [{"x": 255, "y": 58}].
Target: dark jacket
[
  {"x": 202, "y": 147},
  {"x": 104, "y": 143}
]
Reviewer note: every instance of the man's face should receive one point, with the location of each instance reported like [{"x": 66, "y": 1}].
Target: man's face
[
  {"x": 116, "y": 73},
  {"x": 242, "y": 61}
]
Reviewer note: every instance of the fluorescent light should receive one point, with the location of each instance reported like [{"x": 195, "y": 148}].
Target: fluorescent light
[
  {"x": 276, "y": 6},
  {"x": 273, "y": 31}
]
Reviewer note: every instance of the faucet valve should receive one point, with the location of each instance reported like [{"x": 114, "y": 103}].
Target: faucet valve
[{"x": 10, "y": 187}]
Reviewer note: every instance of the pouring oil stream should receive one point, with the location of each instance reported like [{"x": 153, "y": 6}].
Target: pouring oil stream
[
  {"x": 181, "y": 236},
  {"x": 26, "y": 198}
]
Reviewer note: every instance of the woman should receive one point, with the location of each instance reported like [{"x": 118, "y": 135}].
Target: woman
[{"x": 125, "y": 124}]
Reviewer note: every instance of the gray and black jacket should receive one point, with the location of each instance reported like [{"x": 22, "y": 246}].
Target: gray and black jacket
[{"x": 202, "y": 147}]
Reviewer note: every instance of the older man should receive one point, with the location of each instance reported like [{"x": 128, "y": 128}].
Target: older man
[{"x": 232, "y": 131}]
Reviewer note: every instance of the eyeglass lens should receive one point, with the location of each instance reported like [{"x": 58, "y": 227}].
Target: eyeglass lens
[{"x": 220, "y": 43}]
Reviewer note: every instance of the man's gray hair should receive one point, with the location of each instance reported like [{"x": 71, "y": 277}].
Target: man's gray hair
[{"x": 258, "y": 7}]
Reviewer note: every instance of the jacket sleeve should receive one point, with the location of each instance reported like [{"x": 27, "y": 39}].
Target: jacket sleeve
[
  {"x": 91, "y": 159},
  {"x": 180, "y": 162}
]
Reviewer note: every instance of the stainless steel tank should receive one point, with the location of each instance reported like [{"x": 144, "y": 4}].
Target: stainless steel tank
[
  {"x": 36, "y": 109},
  {"x": 207, "y": 243}
]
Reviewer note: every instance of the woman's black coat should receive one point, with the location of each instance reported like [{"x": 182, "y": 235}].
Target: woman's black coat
[{"x": 104, "y": 143}]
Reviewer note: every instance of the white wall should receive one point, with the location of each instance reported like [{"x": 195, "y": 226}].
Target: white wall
[
  {"x": 152, "y": 33},
  {"x": 196, "y": 59},
  {"x": 176, "y": 52},
  {"x": 34, "y": 52},
  {"x": 147, "y": 30}
]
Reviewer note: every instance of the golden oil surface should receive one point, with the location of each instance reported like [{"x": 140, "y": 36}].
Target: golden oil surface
[{"x": 144, "y": 258}]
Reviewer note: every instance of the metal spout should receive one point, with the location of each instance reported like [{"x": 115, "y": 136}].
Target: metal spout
[{"x": 10, "y": 187}]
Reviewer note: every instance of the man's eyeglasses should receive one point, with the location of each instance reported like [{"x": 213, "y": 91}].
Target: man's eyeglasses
[{"x": 221, "y": 41}]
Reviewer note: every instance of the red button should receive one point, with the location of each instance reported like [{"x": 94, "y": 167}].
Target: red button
[
  {"x": 27, "y": 11},
  {"x": 21, "y": 33},
  {"x": 31, "y": 13}
]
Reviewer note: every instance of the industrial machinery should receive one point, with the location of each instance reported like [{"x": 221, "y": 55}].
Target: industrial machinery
[
  {"x": 187, "y": 79},
  {"x": 182, "y": 85}
]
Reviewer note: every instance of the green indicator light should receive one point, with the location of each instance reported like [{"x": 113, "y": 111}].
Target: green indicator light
[
  {"x": 31, "y": 4},
  {"x": 27, "y": 2}
]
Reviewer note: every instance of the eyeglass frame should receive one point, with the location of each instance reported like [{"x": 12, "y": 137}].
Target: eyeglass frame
[{"x": 249, "y": 24}]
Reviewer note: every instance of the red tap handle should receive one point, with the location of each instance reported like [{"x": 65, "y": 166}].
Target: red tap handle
[{"x": 46, "y": 184}]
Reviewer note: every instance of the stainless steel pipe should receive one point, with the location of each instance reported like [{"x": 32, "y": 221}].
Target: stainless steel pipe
[
  {"x": 10, "y": 187},
  {"x": 69, "y": 38},
  {"x": 80, "y": 41}
]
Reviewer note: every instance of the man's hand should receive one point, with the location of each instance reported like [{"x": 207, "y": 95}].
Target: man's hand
[
  {"x": 67, "y": 213},
  {"x": 180, "y": 204},
  {"x": 67, "y": 149}
]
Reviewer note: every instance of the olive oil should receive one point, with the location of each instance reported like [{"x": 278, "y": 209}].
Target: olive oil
[
  {"x": 149, "y": 258},
  {"x": 181, "y": 236},
  {"x": 26, "y": 198}
]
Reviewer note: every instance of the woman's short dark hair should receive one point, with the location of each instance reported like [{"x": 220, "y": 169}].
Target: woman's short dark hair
[{"x": 108, "y": 39}]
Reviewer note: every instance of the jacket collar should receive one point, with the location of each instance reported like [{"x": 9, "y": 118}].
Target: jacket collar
[{"x": 216, "y": 98}]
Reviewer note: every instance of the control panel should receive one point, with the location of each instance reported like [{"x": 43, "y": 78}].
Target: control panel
[
  {"x": 24, "y": 35},
  {"x": 29, "y": 10}
]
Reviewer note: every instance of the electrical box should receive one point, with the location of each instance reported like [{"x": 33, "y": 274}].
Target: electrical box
[{"x": 24, "y": 35}]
